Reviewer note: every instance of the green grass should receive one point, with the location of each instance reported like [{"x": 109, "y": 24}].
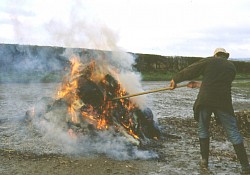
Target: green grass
[
  {"x": 241, "y": 84},
  {"x": 56, "y": 77},
  {"x": 157, "y": 76},
  {"x": 52, "y": 77},
  {"x": 167, "y": 76},
  {"x": 242, "y": 76},
  {"x": 26, "y": 77}
]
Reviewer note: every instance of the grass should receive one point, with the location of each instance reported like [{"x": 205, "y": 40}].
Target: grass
[
  {"x": 26, "y": 77},
  {"x": 167, "y": 76},
  {"x": 56, "y": 76},
  {"x": 241, "y": 84},
  {"x": 157, "y": 76},
  {"x": 242, "y": 76}
]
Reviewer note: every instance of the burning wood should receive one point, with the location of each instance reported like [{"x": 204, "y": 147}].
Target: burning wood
[{"x": 86, "y": 93}]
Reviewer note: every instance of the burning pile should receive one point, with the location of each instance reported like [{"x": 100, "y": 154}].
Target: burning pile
[{"x": 86, "y": 93}]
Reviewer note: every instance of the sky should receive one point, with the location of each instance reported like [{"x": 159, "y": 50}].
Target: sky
[{"x": 162, "y": 27}]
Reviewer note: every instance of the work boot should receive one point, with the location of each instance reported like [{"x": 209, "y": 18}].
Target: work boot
[
  {"x": 242, "y": 156},
  {"x": 204, "y": 148}
]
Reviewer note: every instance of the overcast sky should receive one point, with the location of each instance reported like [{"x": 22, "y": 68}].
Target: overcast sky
[{"x": 165, "y": 27}]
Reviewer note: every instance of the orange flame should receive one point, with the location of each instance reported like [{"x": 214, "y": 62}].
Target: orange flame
[{"x": 69, "y": 89}]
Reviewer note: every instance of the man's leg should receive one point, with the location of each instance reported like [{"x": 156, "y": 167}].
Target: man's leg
[
  {"x": 229, "y": 123},
  {"x": 203, "y": 131},
  {"x": 242, "y": 156}
]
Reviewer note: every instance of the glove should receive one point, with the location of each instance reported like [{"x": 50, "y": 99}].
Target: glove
[{"x": 172, "y": 84}]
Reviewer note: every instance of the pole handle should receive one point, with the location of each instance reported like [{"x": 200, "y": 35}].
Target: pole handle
[{"x": 148, "y": 92}]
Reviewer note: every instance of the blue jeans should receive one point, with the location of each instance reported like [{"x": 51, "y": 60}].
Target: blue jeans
[{"x": 228, "y": 122}]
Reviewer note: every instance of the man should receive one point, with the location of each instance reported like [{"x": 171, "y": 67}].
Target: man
[{"x": 214, "y": 97}]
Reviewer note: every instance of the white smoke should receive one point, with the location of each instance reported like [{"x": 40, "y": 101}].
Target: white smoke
[
  {"x": 81, "y": 32},
  {"x": 76, "y": 28},
  {"x": 107, "y": 142}
]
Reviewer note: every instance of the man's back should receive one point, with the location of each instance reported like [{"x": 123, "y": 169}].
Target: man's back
[
  {"x": 218, "y": 73},
  {"x": 215, "y": 90}
]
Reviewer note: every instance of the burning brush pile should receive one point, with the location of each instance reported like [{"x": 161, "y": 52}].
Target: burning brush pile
[{"x": 85, "y": 105}]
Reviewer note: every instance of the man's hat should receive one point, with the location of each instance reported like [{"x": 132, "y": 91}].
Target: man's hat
[{"x": 221, "y": 50}]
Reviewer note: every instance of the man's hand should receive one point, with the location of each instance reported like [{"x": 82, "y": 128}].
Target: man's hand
[
  {"x": 194, "y": 84},
  {"x": 172, "y": 84}
]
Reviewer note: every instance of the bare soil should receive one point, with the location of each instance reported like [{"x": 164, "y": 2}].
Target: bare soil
[
  {"x": 25, "y": 152},
  {"x": 178, "y": 154}
]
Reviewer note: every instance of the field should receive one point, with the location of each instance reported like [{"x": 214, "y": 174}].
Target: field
[{"x": 25, "y": 150}]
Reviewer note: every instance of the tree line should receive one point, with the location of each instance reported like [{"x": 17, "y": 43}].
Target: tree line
[{"x": 30, "y": 60}]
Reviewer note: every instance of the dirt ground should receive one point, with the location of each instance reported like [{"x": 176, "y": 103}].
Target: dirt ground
[
  {"x": 178, "y": 154},
  {"x": 178, "y": 151}
]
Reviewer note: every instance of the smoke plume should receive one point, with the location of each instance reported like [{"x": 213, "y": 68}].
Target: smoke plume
[{"x": 77, "y": 30}]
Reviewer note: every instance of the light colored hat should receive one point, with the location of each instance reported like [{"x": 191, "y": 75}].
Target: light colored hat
[{"x": 221, "y": 50}]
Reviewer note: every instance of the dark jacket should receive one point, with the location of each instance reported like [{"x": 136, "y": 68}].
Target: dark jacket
[{"x": 215, "y": 90}]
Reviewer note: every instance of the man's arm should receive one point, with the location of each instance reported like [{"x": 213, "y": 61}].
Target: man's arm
[
  {"x": 194, "y": 84},
  {"x": 190, "y": 72}
]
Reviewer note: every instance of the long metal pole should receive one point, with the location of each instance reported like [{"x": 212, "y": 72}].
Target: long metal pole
[{"x": 148, "y": 92}]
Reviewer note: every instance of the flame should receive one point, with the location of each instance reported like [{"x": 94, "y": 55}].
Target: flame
[
  {"x": 101, "y": 120},
  {"x": 68, "y": 90}
]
